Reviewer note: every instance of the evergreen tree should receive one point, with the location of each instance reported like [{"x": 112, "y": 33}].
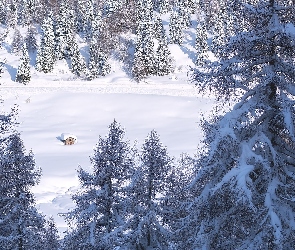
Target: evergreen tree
[
  {"x": 164, "y": 64},
  {"x": 100, "y": 204},
  {"x": 3, "y": 13},
  {"x": 45, "y": 55},
  {"x": 220, "y": 25},
  {"x": 11, "y": 15},
  {"x": 64, "y": 31},
  {"x": 145, "y": 228},
  {"x": 164, "y": 6},
  {"x": 17, "y": 42},
  {"x": 175, "y": 28},
  {"x": 30, "y": 40},
  {"x": 201, "y": 44},
  {"x": 23, "y": 74},
  {"x": 51, "y": 236},
  {"x": 177, "y": 198},
  {"x": 184, "y": 10},
  {"x": 144, "y": 56},
  {"x": 98, "y": 61},
  {"x": 21, "y": 226},
  {"x": 78, "y": 63},
  {"x": 245, "y": 186}
]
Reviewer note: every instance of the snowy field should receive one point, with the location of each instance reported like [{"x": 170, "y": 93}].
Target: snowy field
[{"x": 172, "y": 109}]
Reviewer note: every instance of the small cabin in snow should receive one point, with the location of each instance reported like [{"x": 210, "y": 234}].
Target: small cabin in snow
[{"x": 68, "y": 139}]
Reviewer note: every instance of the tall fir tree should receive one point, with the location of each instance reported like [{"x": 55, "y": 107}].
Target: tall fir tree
[
  {"x": 51, "y": 236},
  {"x": 98, "y": 61},
  {"x": 21, "y": 226},
  {"x": 175, "y": 28},
  {"x": 23, "y": 74},
  {"x": 64, "y": 30},
  {"x": 17, "y": 42},
  {"x": 164, "y": 62},
  {"x": 201, "y": 44},
  {"x": 78, "y": 65},
  {"x": 46, "y": 54},
  {"x": 145, "y": 227},
  {"x": 30, "y": 40},
  {"x": 100, "y": 204},
  {"x": 244, "y": 191},
  {"x": 144, "y": 56}
]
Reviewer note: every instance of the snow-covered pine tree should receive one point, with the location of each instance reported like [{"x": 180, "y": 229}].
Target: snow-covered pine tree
[
  {"x": 144, "y": 56},
  {"x": 185, "y": 10},
  {"x": 3, "y": 13},
  {"x": 178, "y": 197},
  {"x": 201, "y": 44},
  {"x": 100, "y": 203},
  {"x": 21, "y": 226},
  {"x": 244, "y": 189},
  {"x": 78, "y": 65},
  {"x": 11, "y": 15},
  {"x": 45, "y": 54},
  {"x": 219, "y": 29},
  {"x": 23, "y": 74},
  {"x": 175, "y": 28},
  {"x": 145, "y": 228},
  {"x": 164, "y": 62},
  {"x": 51, "y": 236},
  {"x": 30, "y": 40},
  {"x": 17, "y": 42},
  {"x": 64, "y": 30},
  {"x": 88, "y": 19},
  {"x": 159, "y": 31},
  {"x": 164, "y": 6},
  {"x": 98, "y": 61}
]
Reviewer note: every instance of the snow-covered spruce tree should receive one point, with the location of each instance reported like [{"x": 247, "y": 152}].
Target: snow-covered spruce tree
[
  {"x": 98, "y": 61},
  {"x": 88, "y": 19},
  {"x": 11, "y": 16},
  {"x": 145, "y": 228},
  {"x": 164, "y": 62},
  {"x": 51, "y": 236},
  {"x": 244, "y": 189},
  {"x": 3, "y": 13},
  {"x": 45, "y": 54},
  {"x": 17, "y": 42},
  {"x": 30, "y": 40},
  {"x": 144, "y": 56},
  {"x": 78, "y": 65},
  {"x": 201, "y": 44},
  {"x": 100, "y": 203},
  {"x": 184, "y": 10},
  {"x": 164, "y": 6},
  {"x": 21, "y": 226},
  {"x": 23, "y": 74},
  {"x": 175, "y": 28},
  {"x": 64, "y": 30},
  {"x": 177, "y": 198},
  {"x": 219, "y": 29}
]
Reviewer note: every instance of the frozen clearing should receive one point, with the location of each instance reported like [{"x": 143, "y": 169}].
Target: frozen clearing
[{"x": 86, "y": 110}]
